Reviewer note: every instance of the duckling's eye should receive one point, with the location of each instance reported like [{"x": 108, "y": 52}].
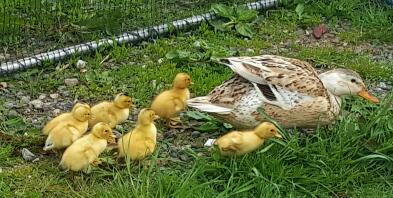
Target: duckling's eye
[
  {"x": 353, "y": 80},
  {"x": 106, "y": 131},
  {"x": 272, "y": 130}
]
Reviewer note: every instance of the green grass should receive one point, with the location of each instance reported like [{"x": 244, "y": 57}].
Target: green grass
[
  {"x": 352, "y": 157},
  {"x": 58, "y": 24}
]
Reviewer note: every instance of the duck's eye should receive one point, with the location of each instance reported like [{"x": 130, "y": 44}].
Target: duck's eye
[
  {"x": 106, "y": 131},
  {"x": 353, "y": 80},
  {"x": 272, "y": 130}
]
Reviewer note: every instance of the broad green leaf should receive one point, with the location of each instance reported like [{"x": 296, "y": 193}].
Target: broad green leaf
[
  {"x": 220, "y": 25},
  {"x": 245, "y": 14},
  {"x": 200, "y": 44},
  {"x": 177, "y": 55},
  {"x": 197, "y": 115},
  {"x": 228, "y": 126},
  {"x": 223, "y": 10},
  {"x": 244, "y": 29},
  {"x": 208, "y": 127},
  {"x": 299, "y": 10}
]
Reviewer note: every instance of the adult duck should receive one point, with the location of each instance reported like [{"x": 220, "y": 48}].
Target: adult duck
[{"x": 289, "y": 90}]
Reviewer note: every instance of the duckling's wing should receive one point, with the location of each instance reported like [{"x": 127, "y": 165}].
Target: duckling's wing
[
  {"x": 234, "y": 141},
  {"x": 279, "y": 80}
]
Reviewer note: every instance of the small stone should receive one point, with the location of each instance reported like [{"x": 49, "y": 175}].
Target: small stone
[
  {"x": 161, "y": 60},
  {"x": 19, "y": 94},
  {"x": 56, "y": 112},
  {"x": 249, "y": 50},
  {"x": 299, "y": 32},
  {"x": 335, "y": 40},
  {"x": 37, "y": 104},
  {"x": 71, "y": 82},
  {"x": 62, "y": 88},
  {"x": 3, "y": 85},
  {"x": 80, "y": 64},
  {"x": 54, "y": 96},
  {"x": 25, "y": 99},
  {"x": 12, "y": 113},
  {"x": 9, "y": 105},
  {"x": 384, "y": 86},
  {"x": 65, "y": 93},
  {"x": 195, "y": 134},
  {"x": 187, "y": 146},
  {"x": 47, "y": 106},
  {"x": 183, "y": 157},
  {"x": 42, "y": 96},
  {"x": 168, "y": 135},
  {"x": 28, "y": 155}
]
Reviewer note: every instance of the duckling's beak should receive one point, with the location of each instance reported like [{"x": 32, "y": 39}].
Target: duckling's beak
[
  {"x": 191, "y": 83},
  {"x": 156, "y": 117},
  {"x": 366, "y": 95},
  {"x": 112, "y": 139},
  {"x": 278, "y": 135}
]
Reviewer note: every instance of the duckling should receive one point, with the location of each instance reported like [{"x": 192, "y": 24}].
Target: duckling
[
  {"x": 69, "y": 127},
  {"x": 238, "y": 143},
  {"x": 142, "y": 140},
  {"x": 85, "y": 151},
  {"x": 112, "y": 113},
  {"x": 77, "y": 115},
  {"x": 170, "y": 102}
]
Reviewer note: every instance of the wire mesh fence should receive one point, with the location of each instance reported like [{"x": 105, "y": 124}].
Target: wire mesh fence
[{"x": 29, "y": 27}]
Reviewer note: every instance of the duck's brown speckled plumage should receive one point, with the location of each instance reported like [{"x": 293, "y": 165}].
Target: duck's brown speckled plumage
[{"x": 288, "y": 90}]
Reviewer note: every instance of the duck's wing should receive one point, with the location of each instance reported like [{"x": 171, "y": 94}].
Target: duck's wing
[
  {"x": 279, "y": 81},
  {"x": 222, "y": 98}
]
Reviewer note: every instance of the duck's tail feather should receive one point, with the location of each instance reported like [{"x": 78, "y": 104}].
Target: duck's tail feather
[{"x": 203, "y": 104}]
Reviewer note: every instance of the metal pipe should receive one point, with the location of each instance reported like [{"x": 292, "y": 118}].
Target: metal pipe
[{"x": 129, "y": 37}]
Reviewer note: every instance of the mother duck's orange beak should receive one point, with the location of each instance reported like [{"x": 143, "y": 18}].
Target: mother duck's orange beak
[{"x": 366, "y": 95}]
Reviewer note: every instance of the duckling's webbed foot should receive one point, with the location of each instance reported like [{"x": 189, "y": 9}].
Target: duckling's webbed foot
[
  {"x": 96, "y": 162},
  {"x": 174, "y": 122}
]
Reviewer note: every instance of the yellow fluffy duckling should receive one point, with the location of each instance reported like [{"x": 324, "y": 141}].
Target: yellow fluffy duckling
[
  {"x": 79, "y": 115},
  {"x": 142, "y": 140},
  {"x": 168, "y": 103},
  {"x": 67, "y": 128},
  {"x": 85, "y": 151},
  {"x": 238, "y": 143},
  {"x": 112, "y": 113}
]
